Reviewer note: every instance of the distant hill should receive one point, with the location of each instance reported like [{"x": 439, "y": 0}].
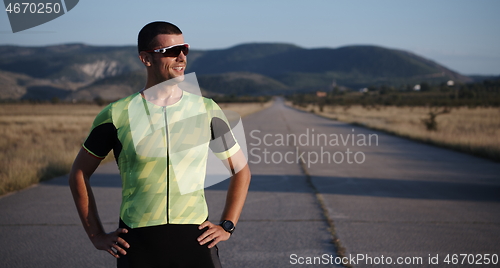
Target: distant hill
[
  {"x": 78, "y": 71},
  {"x": 241, "y": 83},
  {"x": 18, "y": 86},
  {"x": 481, "y": 78},
  {"x": 71, "y": 62},
  {"x": 352, "y": 66},
  {"x": 11, "y": 85},
  {"x": 111, "y": 88},
  {"x": 117, "y": 87}
]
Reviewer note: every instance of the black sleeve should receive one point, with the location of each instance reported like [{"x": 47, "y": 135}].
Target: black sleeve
[
  {"x": 222, "y": 138},
  {"x": 101, "y": 140}
]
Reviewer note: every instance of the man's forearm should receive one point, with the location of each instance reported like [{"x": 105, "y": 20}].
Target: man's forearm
[
  {"x": 85, "y": 204},
  {"x": 79, "y": 178},
  {"x": 236, "y": 195}
]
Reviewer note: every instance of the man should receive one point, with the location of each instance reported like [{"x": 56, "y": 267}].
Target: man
[{"x": 160, "y": 138}]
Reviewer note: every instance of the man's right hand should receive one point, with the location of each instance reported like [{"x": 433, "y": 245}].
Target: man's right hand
[{"x": 111, "y": 242}]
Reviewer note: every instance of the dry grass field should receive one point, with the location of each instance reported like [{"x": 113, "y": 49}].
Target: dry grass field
[
  {"x": 244, "y": 109},
  {"x": 470, "y": 130},
  {"x": 40, "y": 141}
]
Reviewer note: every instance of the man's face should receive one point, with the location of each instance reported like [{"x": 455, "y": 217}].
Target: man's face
[{"x": 163, "y": 67}]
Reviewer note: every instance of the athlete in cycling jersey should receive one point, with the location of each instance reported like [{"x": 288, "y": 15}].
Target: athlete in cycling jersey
[{"x": 160, "y": 137}]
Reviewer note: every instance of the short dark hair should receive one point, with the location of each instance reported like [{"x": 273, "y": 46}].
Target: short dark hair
[{"x": 151, "y": 30}]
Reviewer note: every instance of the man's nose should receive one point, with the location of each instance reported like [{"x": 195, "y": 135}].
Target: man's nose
[{"x": 181, "y": 57}]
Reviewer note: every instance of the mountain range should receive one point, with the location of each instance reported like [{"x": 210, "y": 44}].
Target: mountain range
[{"x": 84, "y": 72}]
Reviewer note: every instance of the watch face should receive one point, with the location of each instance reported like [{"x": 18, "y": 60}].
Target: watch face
[{"x": 227, "y": 225}]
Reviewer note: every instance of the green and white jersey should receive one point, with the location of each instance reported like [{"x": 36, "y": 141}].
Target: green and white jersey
[{"x": 162, "y": 153}]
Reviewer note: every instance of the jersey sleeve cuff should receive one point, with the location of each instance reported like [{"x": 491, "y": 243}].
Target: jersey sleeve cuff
[
  {"x": 226, "y": 154},
  {"x": 91, "y": 153}
]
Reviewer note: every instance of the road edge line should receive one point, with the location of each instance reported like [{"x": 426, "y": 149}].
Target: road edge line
[{"x": 339, "y": 248}]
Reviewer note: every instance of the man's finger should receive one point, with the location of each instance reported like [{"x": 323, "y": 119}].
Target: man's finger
[
  {"x": 122, "y": 242},
  {"x": 217, "y": 240},
  {"x": 121, "y": 231},
  {"x": 212, "y": 235},
  {"x": 112, "y": 252},
  {"x": 204, "y": 239},
  {"x": 119, "y": 249},
  {"x": 207, "y": 239},
  {"x": 206, "y": 234},
  {"x": 203, "y": 225}
]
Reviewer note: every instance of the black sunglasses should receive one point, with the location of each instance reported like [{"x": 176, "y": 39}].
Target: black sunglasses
[{"x": 172, "y": 51}]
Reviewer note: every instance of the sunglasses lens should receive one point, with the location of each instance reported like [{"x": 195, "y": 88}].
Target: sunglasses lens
[
  {"x": 185, "y": 50},
  {"x": 175, "y": 51}
]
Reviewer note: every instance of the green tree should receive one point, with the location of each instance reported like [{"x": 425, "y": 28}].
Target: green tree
[{"x": 424, "y": 87}]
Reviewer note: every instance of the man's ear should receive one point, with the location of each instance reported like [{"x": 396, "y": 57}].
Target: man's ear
[{"x": 145, "y": 58}]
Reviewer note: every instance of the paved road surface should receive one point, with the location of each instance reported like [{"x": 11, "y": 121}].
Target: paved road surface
[{"x": 400, "y": 199}]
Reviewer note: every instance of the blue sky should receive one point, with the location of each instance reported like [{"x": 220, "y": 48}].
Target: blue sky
[{"x": 463, "y": 35}]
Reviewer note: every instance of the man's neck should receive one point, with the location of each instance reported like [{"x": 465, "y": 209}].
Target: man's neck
[{"x": 162, "y": 94}]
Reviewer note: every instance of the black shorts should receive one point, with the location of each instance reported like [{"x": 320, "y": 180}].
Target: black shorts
[{"x": 169, "y": 245}]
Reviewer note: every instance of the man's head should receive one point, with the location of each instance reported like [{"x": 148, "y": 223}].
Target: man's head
[
  {"x": 162, "y": 66},
  {"x": 146, "y": 39}
]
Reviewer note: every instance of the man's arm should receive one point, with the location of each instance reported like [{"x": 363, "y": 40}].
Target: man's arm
[
  {"x": 238, "y": 187},
  {"x": 79, "y": 183},
  {"x": 235, "y": 199}
]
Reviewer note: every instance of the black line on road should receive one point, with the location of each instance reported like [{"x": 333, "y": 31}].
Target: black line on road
[{"x": 339, "y": 249}]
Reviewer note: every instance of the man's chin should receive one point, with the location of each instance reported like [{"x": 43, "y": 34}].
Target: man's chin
[
  {"x": 173, "y": 80},
  {"x": 177, "y": 78}
]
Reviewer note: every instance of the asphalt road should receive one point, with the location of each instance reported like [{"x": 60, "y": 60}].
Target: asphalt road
[{"x": 388, "y": 198}]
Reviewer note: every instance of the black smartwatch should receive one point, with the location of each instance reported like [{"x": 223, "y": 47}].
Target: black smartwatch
[{"x": 228, "y": 226}]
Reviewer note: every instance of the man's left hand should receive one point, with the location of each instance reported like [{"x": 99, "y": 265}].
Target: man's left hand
[{"x": 214, "y": 232}]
